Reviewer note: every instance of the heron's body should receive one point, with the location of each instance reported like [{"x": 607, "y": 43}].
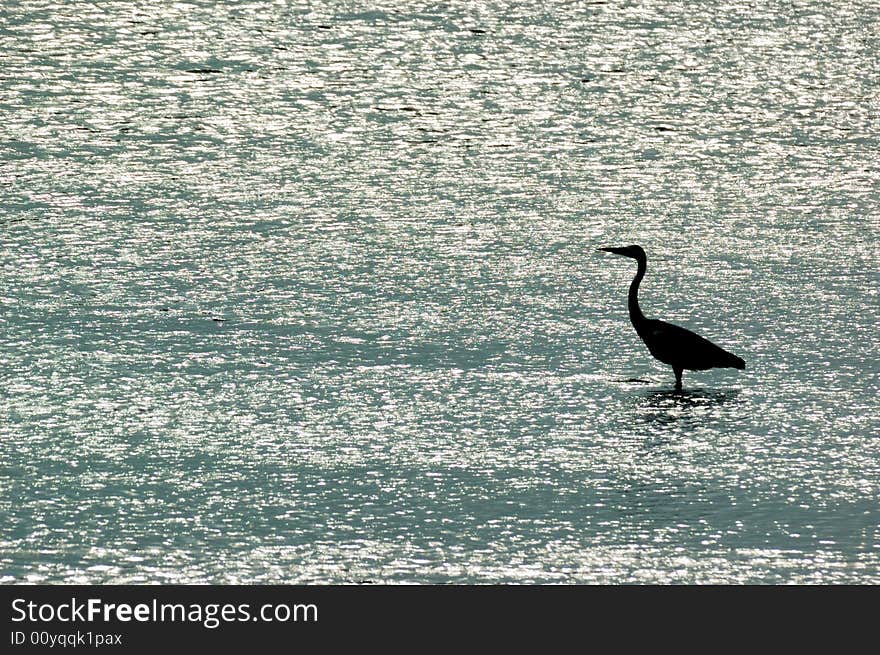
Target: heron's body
[{"x": 673, "y": 345}]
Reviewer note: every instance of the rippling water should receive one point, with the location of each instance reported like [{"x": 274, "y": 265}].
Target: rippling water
[{"x": 308, "y": 292}]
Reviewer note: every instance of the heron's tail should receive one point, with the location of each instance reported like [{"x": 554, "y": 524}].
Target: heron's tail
[{"x": 732, "y": 361}]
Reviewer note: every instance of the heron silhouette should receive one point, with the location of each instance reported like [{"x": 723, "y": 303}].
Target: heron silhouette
[{"x": 671, "y": 344}]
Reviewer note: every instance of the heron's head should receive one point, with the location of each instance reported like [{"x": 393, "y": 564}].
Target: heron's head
[{"x": 635, "y": 252}]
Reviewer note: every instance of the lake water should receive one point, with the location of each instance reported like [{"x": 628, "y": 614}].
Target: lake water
[{"x": 309, "y": 292}]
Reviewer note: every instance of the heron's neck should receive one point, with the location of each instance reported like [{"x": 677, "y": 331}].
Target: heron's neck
[{"x": 635, "y": 312}]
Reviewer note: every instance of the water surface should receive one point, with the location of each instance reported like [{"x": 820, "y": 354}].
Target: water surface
[{"x": 308, "y": 292}]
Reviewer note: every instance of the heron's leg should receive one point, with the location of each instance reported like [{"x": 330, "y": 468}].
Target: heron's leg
[{"x": 677, "y": 371}]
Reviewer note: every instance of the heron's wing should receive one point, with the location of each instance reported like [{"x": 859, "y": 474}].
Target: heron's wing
[{"x": 678, "y": 346}]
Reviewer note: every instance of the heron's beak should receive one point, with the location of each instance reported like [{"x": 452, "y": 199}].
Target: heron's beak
[{"x": 616, "y": 251}]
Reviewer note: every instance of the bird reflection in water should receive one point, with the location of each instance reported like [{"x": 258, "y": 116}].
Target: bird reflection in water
[{"x": 691, "y": 407}]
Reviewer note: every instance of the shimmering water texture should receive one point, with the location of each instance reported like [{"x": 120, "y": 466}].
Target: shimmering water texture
[{"x": 309, "y": 292}]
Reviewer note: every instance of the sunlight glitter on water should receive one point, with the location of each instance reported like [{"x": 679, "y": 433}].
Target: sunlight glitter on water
[{"x": 310, "y": 293}]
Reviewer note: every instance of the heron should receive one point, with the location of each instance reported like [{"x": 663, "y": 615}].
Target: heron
[{"x": 671, "y": 344}]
